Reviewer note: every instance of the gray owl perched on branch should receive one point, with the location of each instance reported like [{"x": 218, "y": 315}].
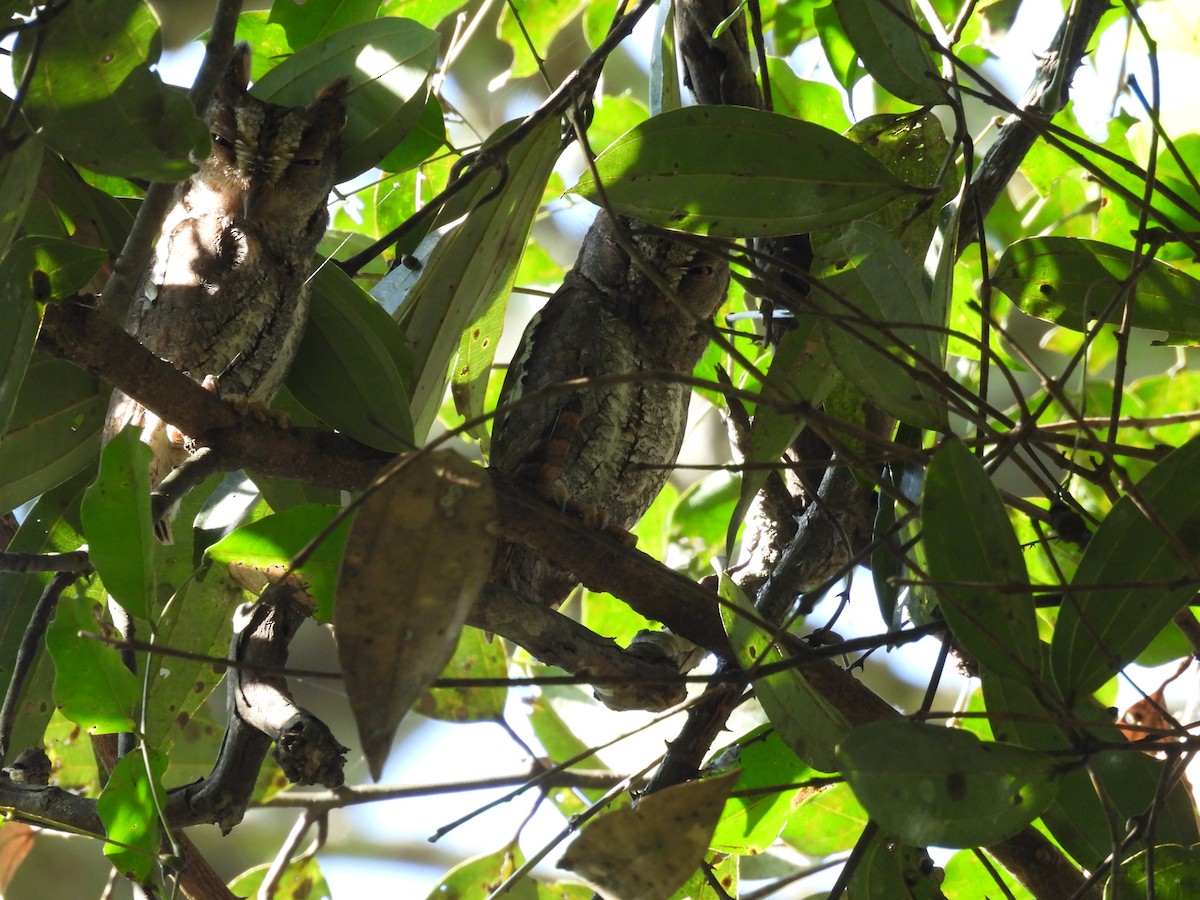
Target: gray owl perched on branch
[
  {"x": 225, "y": 298},
  {"x": 604, "y": 450}
]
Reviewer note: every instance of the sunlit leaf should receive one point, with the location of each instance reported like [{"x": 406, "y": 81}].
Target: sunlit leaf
[
  {"x": 92, "y": 687},
  {"x": 301, "y": 879},
  {"x": 261, "y": 551},
  {"x": 883, "y": 35},
  {"x": 116, "y": 520},
  {"x": 388, "y": 62},
  {"x": 95, "y": 99},
  {"x": 730, "y": 171},
  {"x": 129, "y": 808},
  {"x": 806, "y": 720},
  {"x": 469, "y": 268},
  {"x": 308, "y": 20}
]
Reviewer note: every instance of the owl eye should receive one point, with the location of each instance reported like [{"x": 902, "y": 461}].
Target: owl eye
[
  {"x": 221, "y": 141},
  {"x": 699, "y": 271}
]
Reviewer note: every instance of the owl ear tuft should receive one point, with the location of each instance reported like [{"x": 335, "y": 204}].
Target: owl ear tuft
[
  {"x": 330, "y": 102},
  {"x": 237, "y": 73}
]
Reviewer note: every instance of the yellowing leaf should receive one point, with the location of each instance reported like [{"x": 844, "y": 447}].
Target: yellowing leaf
[{"x": 645, "y": 852}]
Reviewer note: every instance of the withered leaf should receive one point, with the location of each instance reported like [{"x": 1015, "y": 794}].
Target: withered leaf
[
  {"x": 647, "y": 851},
  {"x": 418, "y": 554}
]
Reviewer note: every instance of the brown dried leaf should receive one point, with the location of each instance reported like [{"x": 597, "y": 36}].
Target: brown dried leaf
[
  {"x": 418, "y": 554},
  {"x": 647, "y": 851}
]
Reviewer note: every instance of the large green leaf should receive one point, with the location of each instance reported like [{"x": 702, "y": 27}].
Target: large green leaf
[
  {"x": 54, "y": 431},
  {"x": 805, "y": 719},
  {"x": 1129, "y": 781},
  {"x": 307, "y": 20},
  {"x": 886, "y": 39},
  {"x": 731, "y": 171},
  {"x": 1099, "y": 631},
  {"x": 95, "y": 99},
  {"x": 116, "y": 520},
  {"x": 929, "y": 784},
  {"x": 129, "y": 808},
  {"x": 388, "y": 62},
  {"x": 92, "y": 687},
  {"x": 35, "y": 270},
  {"x": 19, "y": 168},
  {"x": 262, "y": 550},
  {"x": 353, "y": 365},
  {"x": 974, "y": 560},
  {"x": 1071, "y": 282},
  {"x": 761, "y": 805},
  {"x": 51, "y": 526},
  {"x": 469, "y": 268},
  {"x": 868, "y": 284}
]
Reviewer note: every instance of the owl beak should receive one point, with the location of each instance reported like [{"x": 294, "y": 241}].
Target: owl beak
[{"x": 252, "y": 202}]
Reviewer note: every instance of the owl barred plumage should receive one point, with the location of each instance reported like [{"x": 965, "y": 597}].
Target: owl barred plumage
[
  {"x": 225, "y": 296},
  {"x": 604, "y": 450}
]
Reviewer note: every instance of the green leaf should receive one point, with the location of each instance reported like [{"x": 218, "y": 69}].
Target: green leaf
[
  {"x": 914, "y": 148},
  {"x": 890, "y": 870},
  {"x": 19, "y": 167},
  {"x": 476, "y": 878},
  {"x": 809, "y": 101},
  {"x": 731, "y": 171},
  {"x": 477, "y": 655},
  {"x": 830, "y": 821},
  {"x": 928, "y": 784},
  {"x": 128, "y": 807},
  {"x": 1176, "y": 872},
  {"x": 388, "y": 62},
  {"x": 871, "y": 284},
  {"x": 750, "y": 824},
  {"x": 353, "y": 365},
  {"x": 262, "y": 550},
  {"x": 1130, "y": 782},
  {"x": 1071, "y": 282},
  {"x": 891, "y": 50},
  {"x": 35, "y": 271},
  {"x": 198, "y": 619},
  {"x": 116, "y": 520},
  {"x": 469, "y": 268},
  {"x": 95, "y": 100},
  {"x": 533, "y": 22},
  {"x": 968, "y": 538},
  {"x": 92, "y": 687},
  {"x": 806, "y": 721},
  {"x": 51, "y": 526},
  {"x": 308, "y": 20},
  {"x": 301, "y": 879},
  {"x": 54, "y": 431},
  {"x": 426, "y": 137},
  {"x": 1100, "y": 631},
  {"x": 473, "y": 367}
]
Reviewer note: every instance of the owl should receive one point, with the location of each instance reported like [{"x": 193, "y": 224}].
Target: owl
[
  {"x": 603, "y": 450},
  {"x": 225, "y": 296}
]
